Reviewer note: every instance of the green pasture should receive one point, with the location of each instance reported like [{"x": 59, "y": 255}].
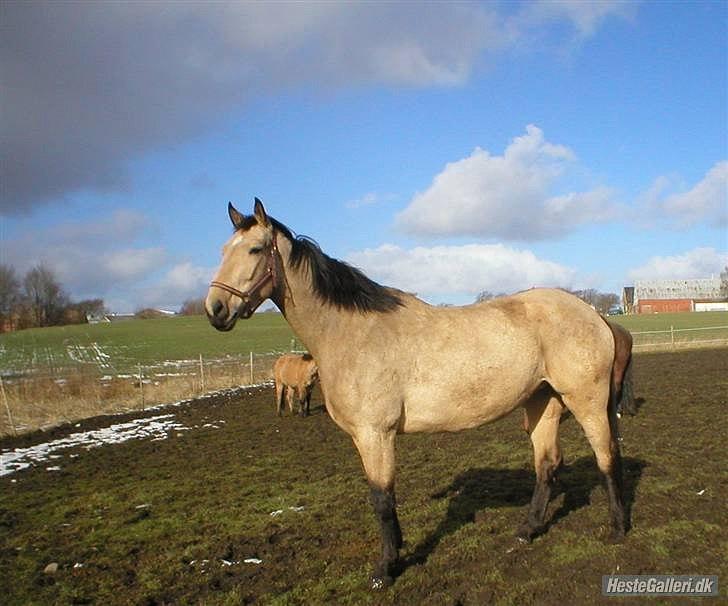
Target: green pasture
[
  {"x": 121, "y": 346},
  {"x": 674, "y": 330},
  {"x": 679, "y": 321}
]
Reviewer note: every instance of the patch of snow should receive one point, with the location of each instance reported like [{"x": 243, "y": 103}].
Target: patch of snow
[{"x": 157, "y": 427}]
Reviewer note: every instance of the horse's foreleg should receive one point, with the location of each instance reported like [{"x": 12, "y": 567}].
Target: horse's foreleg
[
  {"x": 279, "y": 398},
  {"x": 377, "y": 454},
  {"x": 543, "y": 413}
]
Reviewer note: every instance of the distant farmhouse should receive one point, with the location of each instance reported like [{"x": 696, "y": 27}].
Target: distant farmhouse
[{"x": 660, "y": 296}]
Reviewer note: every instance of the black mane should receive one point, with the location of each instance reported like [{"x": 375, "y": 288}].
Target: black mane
[{"x": 336, "y": 282}]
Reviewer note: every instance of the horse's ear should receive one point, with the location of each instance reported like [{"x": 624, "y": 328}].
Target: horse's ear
[
  {"x": 236, "y": 217},
  {"x": 259, "y": 212}
]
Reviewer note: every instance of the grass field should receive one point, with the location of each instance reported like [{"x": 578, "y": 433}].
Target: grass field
[
  {"x": 644, "y": 322},
  {"x": 62, "y": 374},
  {"x": 172, "y": 518},
  {"x": 121, "y": 346},
  {"x": 663, "y": 331}
]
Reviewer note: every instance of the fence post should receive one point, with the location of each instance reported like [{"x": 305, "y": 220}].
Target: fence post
[
  {"x": 672, "y": 336},
  {"x": 7, "y": 408},
  {"x": 251, "y": 367},
  {"x": 141, "y": 385},
  {"x": 202, "y": 376}
]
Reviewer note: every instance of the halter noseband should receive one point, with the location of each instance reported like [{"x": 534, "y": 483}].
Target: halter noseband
[{"x": 270, "y": 274}]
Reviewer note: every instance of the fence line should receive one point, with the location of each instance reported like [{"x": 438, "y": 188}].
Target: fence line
[
  {"x": 43, "y": 398},
  {"x": 654, "y": 332},
  {"x": 680, "y": 338}
]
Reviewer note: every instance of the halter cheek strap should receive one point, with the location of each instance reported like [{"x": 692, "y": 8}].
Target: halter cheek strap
[{"x": 270, "y": 274}]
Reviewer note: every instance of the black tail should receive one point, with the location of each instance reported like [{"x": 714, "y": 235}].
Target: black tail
[{"x": 625, "y": 397}]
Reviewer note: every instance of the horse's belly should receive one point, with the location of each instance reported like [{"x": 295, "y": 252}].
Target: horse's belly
[
  {"x": 447, "y": 421},
  {"x": 456, "y": 411}
]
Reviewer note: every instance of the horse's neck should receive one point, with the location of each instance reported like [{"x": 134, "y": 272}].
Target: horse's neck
[{"x": 312, "y": 321}]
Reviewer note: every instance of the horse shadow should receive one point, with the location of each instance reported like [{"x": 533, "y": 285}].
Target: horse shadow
[{"x": 480, "y": 489}]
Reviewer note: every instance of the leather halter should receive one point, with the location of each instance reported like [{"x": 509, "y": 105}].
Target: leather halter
[{"x": 270, "y": 274}]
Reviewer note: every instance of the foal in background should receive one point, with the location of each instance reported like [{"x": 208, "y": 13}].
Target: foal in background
[{"x": 295, "y": 376}]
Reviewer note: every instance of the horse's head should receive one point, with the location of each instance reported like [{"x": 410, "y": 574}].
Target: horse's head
[{"x": 248, "y": 273}]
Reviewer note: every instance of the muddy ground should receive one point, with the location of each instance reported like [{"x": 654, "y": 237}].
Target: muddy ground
[{"x": 173, "y": 521}]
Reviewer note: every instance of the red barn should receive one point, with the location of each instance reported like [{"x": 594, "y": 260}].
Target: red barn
[{"x": 658, "y": 306}]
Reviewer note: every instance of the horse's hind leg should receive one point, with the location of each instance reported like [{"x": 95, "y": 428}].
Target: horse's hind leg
[
  {"x": 280, "y": 389},
  {"x": 306, "y": 402},
  {"x": 376, "y": 449},
  {"x": 543, "y": 413},
  {"x": 599, "y": 421},
  {"x": 290, "y": 396}
]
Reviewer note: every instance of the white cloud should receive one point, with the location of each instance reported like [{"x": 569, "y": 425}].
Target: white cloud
[
  {"x": 177, "y": 284},
  {"x": 584, "y": 16},
  {"x": 506, "y": 196},
  {"x": 696, "y": 263},
  {"x": 459, "y": 271},
  {"x": 92, "y": 258},
  {"x": 163, "y": 72},
  {"x": 707, "y": 201},
  {"x": 186, "y": 281}
]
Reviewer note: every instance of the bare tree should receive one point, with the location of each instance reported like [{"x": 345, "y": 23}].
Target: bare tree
[
  {"x": 78, "y": 313},
  {"x": 45, "y": 297},
  {"x": 193, "y": 307},
  {"x": 601, "y": 301},
  {"x": 486, "y": 295},
  {"x": 9, "y": 294}
]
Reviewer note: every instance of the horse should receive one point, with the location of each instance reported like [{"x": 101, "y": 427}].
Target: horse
[
  {"x": 390, "y": 363},
  {"x": 294, "y": 376},
  {"x": 621, "y": 380}
]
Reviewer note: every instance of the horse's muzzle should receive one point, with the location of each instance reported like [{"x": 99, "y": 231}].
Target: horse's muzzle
[{"x": 220, "y": 317}]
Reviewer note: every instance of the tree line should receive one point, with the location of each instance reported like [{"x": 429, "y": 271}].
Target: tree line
[{"x": 37, "y": 299}]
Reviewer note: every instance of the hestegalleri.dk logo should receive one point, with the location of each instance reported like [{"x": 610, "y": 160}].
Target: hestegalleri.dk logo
[{"x": 660, "y": 584}]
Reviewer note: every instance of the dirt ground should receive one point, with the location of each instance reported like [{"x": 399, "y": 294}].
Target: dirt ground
[{"x": 237, "y": 506}]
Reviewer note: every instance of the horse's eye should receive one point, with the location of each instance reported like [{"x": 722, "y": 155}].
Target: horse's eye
[{"x": 255, "y": 250}]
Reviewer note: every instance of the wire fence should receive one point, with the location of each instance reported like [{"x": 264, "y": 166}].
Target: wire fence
[
  {"x": 680, "y": 338},
  {"x": 53, "y": 395}
]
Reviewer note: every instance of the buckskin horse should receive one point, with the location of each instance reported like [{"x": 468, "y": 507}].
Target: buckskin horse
[{"x": 390, "y": 363}]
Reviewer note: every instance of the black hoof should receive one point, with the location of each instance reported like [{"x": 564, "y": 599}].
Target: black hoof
[
  {"x": 616, "y": 537},
  {"x": 379, "y": 583}
]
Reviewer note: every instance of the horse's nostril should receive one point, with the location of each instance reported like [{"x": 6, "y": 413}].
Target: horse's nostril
[{"x": 216, "y": 308}]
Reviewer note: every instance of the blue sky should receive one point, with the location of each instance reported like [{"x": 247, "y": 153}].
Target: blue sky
[{"x": 444, "y": 148}]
